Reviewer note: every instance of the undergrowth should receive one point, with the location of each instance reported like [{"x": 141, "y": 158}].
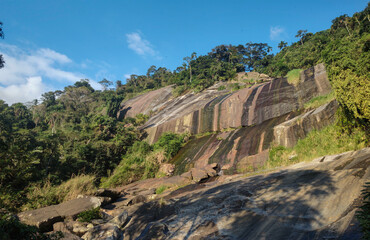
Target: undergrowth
[
  {"x": 327, "y": 141},
  {"x": 293, "y": 76},
  {"x": 319, "y": 100}
]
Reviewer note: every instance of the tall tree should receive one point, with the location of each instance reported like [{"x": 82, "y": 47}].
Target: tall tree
[
  {"x": 301, "y": 34},
  {"x": 188, "y": 61},
  {"x": 282, "y": 45}
]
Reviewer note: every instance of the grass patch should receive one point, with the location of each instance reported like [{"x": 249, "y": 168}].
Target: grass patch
[
  {"x": 161, "y": 189},
  {"x": 327, "y": 141},
  {"x": 319, "y": 100},
  {"x": 293, "y": 76},
  {"x": 46, "y": 194}
]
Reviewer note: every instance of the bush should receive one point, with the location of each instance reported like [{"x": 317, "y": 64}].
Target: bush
[
  {"x": 363, "y": 215},
  {"x": 293, "y": 76},
  {"x": 12, "y": 229},
  {"x": 220, "y": 88},
  {"x": 170, "y": 143},
  {"x": 88, "y": 215}
]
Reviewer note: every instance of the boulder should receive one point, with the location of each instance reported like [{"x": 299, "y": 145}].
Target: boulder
[
  {"x": 103, "y": 232},
  {"x": 137, "y": 199},
  {"x": 44, "y": 218},
  {"x": 198, "y": 174},
  {"x": 60, "y": 226},
  {"x": 111, "y": 193}
]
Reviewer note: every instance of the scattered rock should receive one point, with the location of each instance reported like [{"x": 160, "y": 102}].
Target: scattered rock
[
  {"x": 111, "y": 193},
  {"x": 103, "y": 232},
  {"x": 80, "y": 228},
  {"x": 136, "y": 200},
  {"x": 60, "y": 226},
  {"x": 198, "y": 174}
]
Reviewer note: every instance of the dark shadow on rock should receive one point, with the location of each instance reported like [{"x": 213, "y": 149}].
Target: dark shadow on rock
[{"x": 282, "y": 205}]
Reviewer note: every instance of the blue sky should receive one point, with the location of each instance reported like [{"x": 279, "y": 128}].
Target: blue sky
[{"x": 51, "y": 44}]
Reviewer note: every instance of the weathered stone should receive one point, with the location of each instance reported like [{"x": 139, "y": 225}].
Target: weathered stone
[
  {"x": 198, "y": 174},
  {"x": 60, "y": 226},
  {"x": 66, "y": 235},
  {"x": 79, "y": 228},
  {"x": 44, "y": 218},
  {"x": 288, "y": 133},
  {"x": 167, "y": 169},
  {"x": 187, "y": 175},
  {"x": 137, "y": 199},
  {"x": 103, "y": 232},
  {"x": 111, "y": 193},
  {"x": 120, "y": 220},
  {"x": 210, "y": 171}
]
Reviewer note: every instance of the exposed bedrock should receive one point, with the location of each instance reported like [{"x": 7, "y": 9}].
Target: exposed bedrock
[
  {"x": 314, "y": 200},
  {"x": 246, "y": 148},
  {"x": 215, "y": 110},
  {"x": 288, "y": 133}
]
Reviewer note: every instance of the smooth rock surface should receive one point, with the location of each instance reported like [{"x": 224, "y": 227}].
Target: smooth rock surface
[
  {"x": 44, "y": 218},
  {"x": 313, "y": 200},
  {"x": 288, "y": 133}
]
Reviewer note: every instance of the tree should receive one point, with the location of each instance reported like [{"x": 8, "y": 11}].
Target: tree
[
  {"x": 188, "y": 61},
  {"x": 301, "y": 34},
  {"x": 105, "y": 83},
  {"x": 282, "y": 45}
]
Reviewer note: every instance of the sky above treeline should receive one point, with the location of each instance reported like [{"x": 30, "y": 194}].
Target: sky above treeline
[{"x": 52, "y": 44}]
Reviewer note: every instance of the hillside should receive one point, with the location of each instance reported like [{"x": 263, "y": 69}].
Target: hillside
[{"x": 197, "y": 152}]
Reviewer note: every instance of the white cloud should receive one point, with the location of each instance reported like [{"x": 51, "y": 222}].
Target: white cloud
[
  {"x": 139, "y": 45},
  {"x": 31, "y": 89},
  {"x": 23, "y": 73},
  {"x": 276, "y": 33}
]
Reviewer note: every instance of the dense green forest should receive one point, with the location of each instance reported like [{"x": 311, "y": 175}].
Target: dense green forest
[{"x": 75, "y": 131}]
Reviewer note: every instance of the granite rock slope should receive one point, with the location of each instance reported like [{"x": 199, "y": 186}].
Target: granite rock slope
[
  {"x": 314, "y": 200},
  {"x": 214, "y": 110}
]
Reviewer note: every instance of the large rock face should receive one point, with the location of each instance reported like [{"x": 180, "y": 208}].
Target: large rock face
[
  {"x": 287, "y": 133},
  {"x": 315, "y": 200},
  {"x": 214, "y": 110}
]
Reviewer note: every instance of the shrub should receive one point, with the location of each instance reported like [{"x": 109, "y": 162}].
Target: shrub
[
  {"x": 220, "y": 88},
  {"x": 293, "y": 76},
  {"x": 363, "y": 215},
  {"x": 12, "y": 229},
  {"x": 88, "y": 215}
]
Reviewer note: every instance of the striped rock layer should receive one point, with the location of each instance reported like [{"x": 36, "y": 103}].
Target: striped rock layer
[{"x": 214, "y": 110}]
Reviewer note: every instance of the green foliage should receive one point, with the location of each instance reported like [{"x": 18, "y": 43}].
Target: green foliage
[
  {"x": 142, "y": 160},
  {"x": 161, "y": 189},
  {"x": 319, "y": 100},
  {"x": 88, "y": 215},
  {"x": 344, "y": 48},
  {"x": 12, "y": 229},
  {"x": 316, "y": 144},
  {"x": 170, "y": 143},
  {"x": 220, "y": 88},
  {"x": 293, "y": 76},
  {"x": 363, "y": 215}
]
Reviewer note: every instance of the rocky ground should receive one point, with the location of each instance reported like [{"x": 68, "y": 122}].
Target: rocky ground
[{"x": 311, "y": 200}]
